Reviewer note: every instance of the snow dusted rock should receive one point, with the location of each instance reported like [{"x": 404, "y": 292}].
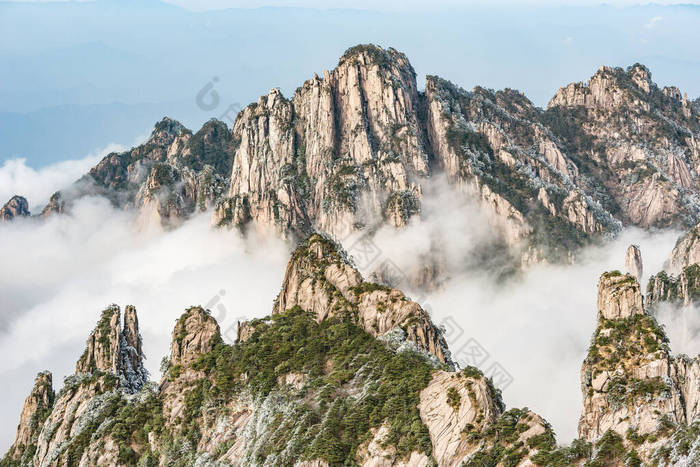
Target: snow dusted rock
[
  {"x": 37, "y": 406},
  {"x": 680, "y": 290},
  {"x": 686, "y": 252},
  {"x": 633, "y": 262},
  {"x": 321, "y": 280},
  {"x": 53, "y": 428},
  {"x": 631, "y": 384},
  {"x": 172, "y": 175},
  {"x": 346, "y": 371},
  {"x": 354, "y": 150},
  {"x": 648, "y": 157},
  {"x": 113, "y": 350},
  {"x": 17, "y": 206},
  {"x": 619, "y": 296}
]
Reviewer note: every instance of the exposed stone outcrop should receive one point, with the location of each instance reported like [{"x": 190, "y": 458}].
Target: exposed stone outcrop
[
  {"x": 638, "y": 142},
  {"x": 682, "y": 289},
  {"x": 56, "y": 205},
  {"x": 172, "y": 175},
  {"x": 37, "y": 407},
  {"x": 343, "y": 371},
  {"x": 17, "y": 206},
  {"x": 619, "y": 296},
  {"x": 195, "y": 334},
  {"x": 116, "y": 350},
  {"x": 321, "y": 280},
  {"x": 483, "y": 141},
  {"x": 633, "y": 262},
  {"x": 686, "y": 252},
  {"x": 53, "y": 429},
  {"x": 453, "y": 405},
  {"x": 345, "y": 148},
  {"x": 631, "y": 383},
  {"x": 353, "y": 150}
]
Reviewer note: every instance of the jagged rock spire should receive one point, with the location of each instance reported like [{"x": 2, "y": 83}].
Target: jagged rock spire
[
  {"x": 132, "y": 373},
  {"x": 630, "y": 381},
  {"x": 36, "y": 408},
  {"x": 17, "y": 206},
  {"x": 633, "y": 262},
  {"x": 320, "y": 279},
  {"x": 196, "y": 332},
  {"x": 619, "y": 296},
  {"x": 113, "y": 350}
]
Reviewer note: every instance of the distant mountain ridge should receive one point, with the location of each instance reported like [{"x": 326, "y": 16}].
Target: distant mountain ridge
[{"x": 351, "y": 151}]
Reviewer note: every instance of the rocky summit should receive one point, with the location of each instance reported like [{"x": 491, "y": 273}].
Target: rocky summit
[
  {"x": 348, "y": 372},
  {"x": 17, "y": 206},
  {"x": 356, "y": 148}
]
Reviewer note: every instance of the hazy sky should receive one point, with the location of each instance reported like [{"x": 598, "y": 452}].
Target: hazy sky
[
  {"x": 384, "y": 4},
  {"x": 86, "y": 74},
  {"x": 398, "y": 4}
]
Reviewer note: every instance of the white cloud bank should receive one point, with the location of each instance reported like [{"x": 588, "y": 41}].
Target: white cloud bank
[
  {"x": 537, "y": 326},
  {"x": 59, "y": 274},
  {"x": 17, "y": 178}
]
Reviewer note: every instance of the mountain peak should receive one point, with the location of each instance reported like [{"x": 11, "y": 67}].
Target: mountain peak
[
  {"x": 166, "y": 130},
  {"x": 374, "y": 54},
  {"x": 633, "y": 389},
  {"x": 608, "y": 88},
  {"x": 321, "y": 279},
  {"x": 195, "y": 333},
  {"x": 17, "y": 206},
  {"x": 619, "y": 296},
  {"x": 114, "y": 350}
]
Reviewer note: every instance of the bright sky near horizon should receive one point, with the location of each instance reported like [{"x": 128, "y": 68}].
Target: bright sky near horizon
[{"x": 384, "y": 4}]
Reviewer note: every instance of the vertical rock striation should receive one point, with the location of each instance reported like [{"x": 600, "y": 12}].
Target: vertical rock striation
[
  {"x": 37, "y": 406},
  {"x": 633, "y": 263}
]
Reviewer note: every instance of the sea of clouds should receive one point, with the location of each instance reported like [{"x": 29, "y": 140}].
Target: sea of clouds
[{"x": 59, "y": 273}]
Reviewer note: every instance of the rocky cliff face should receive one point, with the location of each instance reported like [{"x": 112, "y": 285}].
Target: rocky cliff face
[
  {"x": 637, "y": 141},
  {"x": 172, "y": 175},
  {"x": 679, "y": 282},
  {"x": 346, "y": 371},
  {"x": 686, "y": 252},
  {"x": 36, "y": 408},
  {"x": 343, "y": 370},
  {"x": 353, "y": 150},
  {"x": 320, "y": 279},
  {"x": 57, "y": 429},
  {"x": 633, "y": 263},
  {"x": 346, "y": 149},
  {"x": 17, "y": 206},
  {"x": 681, "y": 289},
  {"x": 636, "y": 394}
]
